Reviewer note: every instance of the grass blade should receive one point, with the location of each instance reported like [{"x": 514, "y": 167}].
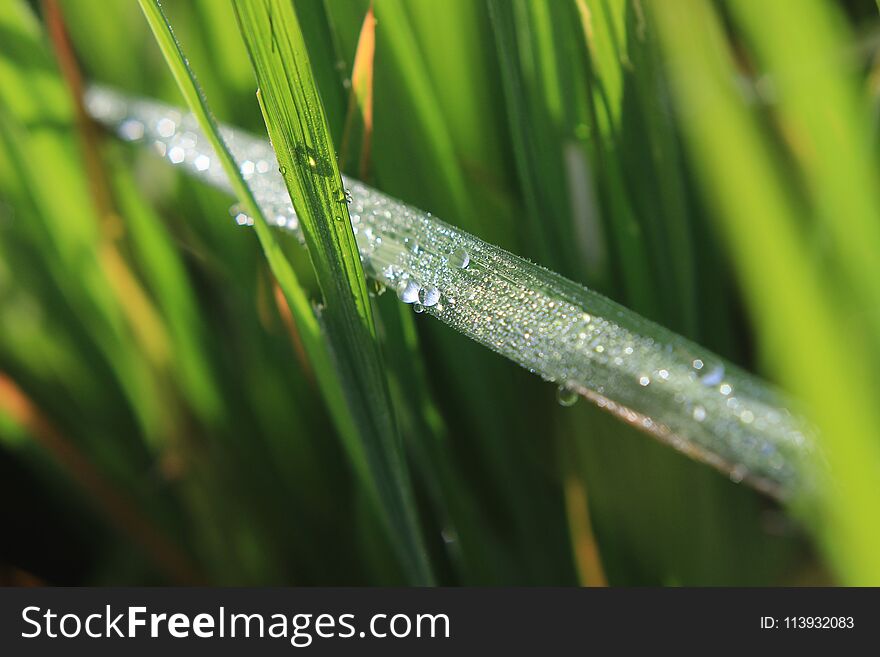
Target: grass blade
[
  {"x": 763, "y": 228},
  {"x": 304, "y": 148},
  {"x": 296, "y": 297},
  {"x": 649, "y": 377}
]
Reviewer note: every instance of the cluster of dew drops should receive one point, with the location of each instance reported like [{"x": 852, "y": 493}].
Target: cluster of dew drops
[
  {"x": 422, "y": 297},
  {"x": 177, "y": 139}
]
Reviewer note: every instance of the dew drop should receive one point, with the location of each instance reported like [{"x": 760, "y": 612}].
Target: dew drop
[
  {"x": 166, "y": 128},
  {"x": 738, "y": 474},
  {"x": 429, "y": 296},
  {"x": 419, "y": 308},
  {"x": 408, "y": 291},
  {"x": 131, "y": 130},
  {"x": 459, "y": 259},
  {"x": 644, "y": 381},
  {"x": 176, "y": 155},
  {"x": 566, "y": 396},
  {"x": 699, "y": 413},
  {"x": 713, "y": 377},
  {"x": 282, "y": 170},
  {"x": 411, "y": 244}
]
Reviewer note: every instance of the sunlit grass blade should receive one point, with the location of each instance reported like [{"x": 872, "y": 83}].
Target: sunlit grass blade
[
  {"x": 300, "y": 306},
  {"x": 824, "y": 116},
  {"x": 300, "y": 135},
  {"x": 649, "y": 377},
  {"x": 782, "y": 286},
  {"x": 357, "y": 136}
]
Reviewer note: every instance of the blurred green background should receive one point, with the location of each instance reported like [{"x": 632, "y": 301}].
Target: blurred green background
[{"x": 711, "y": 165}]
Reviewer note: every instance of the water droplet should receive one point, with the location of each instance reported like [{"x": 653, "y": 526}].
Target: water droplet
[
  {"x": 713, "y": 377},
  {"x": 698, "y": 364},
  {"x": 338, "y": 218},
  {"x": 566, "y": 396},
  {"x": 247, "y": 168},
  {"x": 663, "y": 374},
  {"x": 725, "y": 389},
  {"x": 699, "y": 413},
  {"x": 644, "y": 381},
  {"x": 459, "y": 259},
  {"x": 166, "y": 128},
  {"x": 202, "y": 163},
  {"x": 131, "y": 130},
  {"x": 738, "y": 474},
  {"x": 419, "y": 308},
  {"x": 176, "y": 155},
  {"x": 449, "y": 535},
  {"x": 408, "y": 291},
  {"x": 241, "y": 217},
  {"x": 282, "y": 170},
  {"x": 411, "y": 244},
  {"x": 309, "y": 157},
  {"x": 429, "y": 296}
]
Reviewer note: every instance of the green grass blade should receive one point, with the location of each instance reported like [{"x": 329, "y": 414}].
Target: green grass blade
[
  {"x": 743, "y": 178},
  {"x": 822, "y": 108},
  {"x": 307, "y": 324},
  {"x": 301, "y": 138}
]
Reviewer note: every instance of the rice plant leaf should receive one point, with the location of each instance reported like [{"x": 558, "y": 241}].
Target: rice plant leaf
[
  {"x": 672, "y": 388},
  {"x": 358, "y": 134},
  {"x": 300, "y": 135},
  {"x": 763, "y": 229},
  {"x": 294, "y": 293}
]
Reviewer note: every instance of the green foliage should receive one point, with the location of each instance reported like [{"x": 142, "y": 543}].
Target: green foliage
[
  {"x": 670, "y": 154},
  {"x": 301, "y": 138}
]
